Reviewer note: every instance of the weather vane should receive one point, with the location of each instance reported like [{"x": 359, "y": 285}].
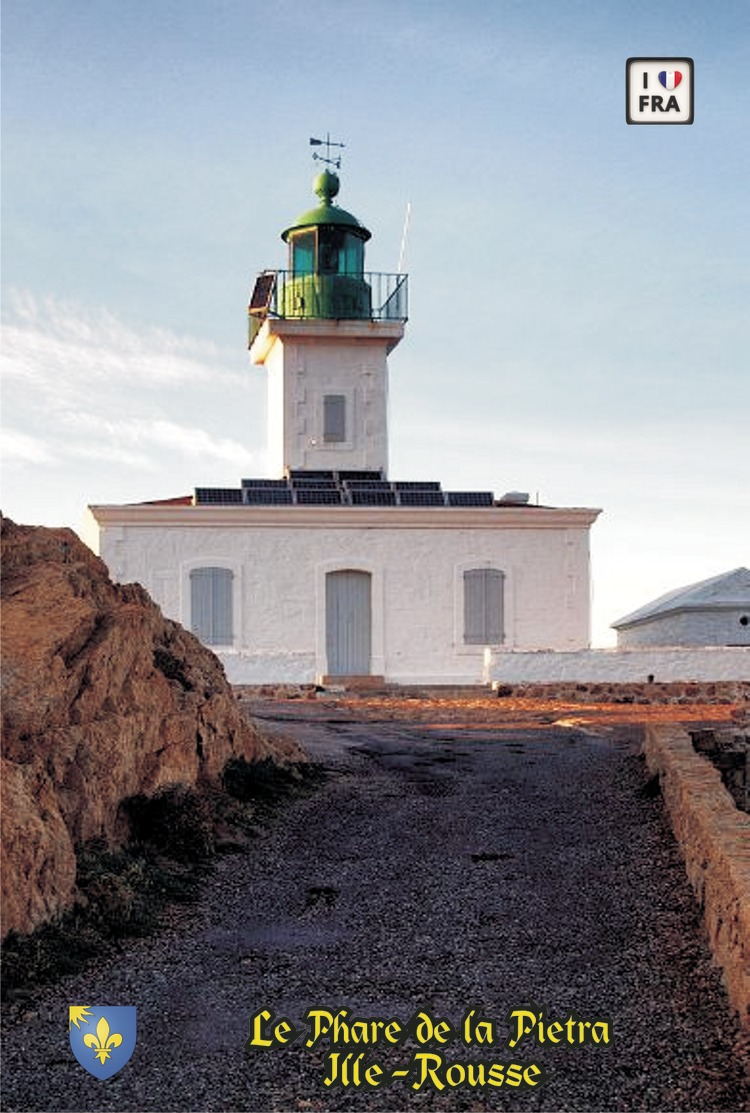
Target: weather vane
[{"x": 328, "y": 143}]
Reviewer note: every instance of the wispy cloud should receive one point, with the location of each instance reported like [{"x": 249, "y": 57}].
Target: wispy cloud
[
  {"x": 106, "y": 439},
  {"x": 121, "y": 414},
  {"x": 63, "y": 348},
  {"x": 16, "y": 446}
]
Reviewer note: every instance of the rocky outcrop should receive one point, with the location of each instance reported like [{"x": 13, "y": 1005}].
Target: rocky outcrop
[{"x": 103, "y": 699}]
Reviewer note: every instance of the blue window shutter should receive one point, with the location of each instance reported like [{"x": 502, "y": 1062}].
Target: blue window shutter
[
  {"x": 200, "y": 603},
  {"x": 211, "y": 605},
  {"x": 483, "y": 606}
]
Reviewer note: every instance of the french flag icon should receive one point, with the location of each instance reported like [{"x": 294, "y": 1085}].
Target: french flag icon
[{"x": 670, "y": 79}]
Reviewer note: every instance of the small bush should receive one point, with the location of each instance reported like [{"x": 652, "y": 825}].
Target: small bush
[
  {"x": 50, "y": 952},
  {"x": 267, "y": 783},
  {"x": 175, "y": 821},
  {"x": 123, "y": 893},
  {"x": 119, "y": 903},
  {"x": 258, "y": 780}
]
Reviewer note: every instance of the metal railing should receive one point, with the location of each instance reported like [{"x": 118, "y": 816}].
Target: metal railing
[{"x": 371, "y": 295}]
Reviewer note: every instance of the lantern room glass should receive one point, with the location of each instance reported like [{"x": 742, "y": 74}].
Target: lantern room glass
[
  {"x": 335, "y": 251},
  {"x": 302, "y": 251}
]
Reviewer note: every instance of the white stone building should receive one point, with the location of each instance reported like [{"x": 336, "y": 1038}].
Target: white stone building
[
  {"x": 329, "y": 568},
  {"x": 713, "y": 612}
]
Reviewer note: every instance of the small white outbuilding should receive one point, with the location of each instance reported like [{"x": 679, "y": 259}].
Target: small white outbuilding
[
  {"x": 712, "y": 612},
  {"x": 328, "y": 568}
]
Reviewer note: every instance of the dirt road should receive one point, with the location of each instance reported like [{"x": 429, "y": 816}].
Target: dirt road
[{"x": 440, "y": 869}]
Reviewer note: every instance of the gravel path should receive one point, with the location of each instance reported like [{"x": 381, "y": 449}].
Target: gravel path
[{"x": 434, "y": 871}]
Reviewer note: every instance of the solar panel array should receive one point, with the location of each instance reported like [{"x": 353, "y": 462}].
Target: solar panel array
[{"x": 339, "y": 488}]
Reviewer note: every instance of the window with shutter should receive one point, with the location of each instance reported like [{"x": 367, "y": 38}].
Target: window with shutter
[
  {"x": 211, "y": 605},
  {"x": 334, "y": 418},
  {"x": 483, "y": 606}
]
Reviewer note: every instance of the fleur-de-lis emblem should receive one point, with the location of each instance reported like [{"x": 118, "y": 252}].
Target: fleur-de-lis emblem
[
  {"x": 95, "y": 1031},
  {"x": 103, "y": 1041}
]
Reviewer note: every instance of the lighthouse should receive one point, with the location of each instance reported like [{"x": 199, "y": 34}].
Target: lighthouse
[
  {"x": 323, "y": 328},
  {"x": 330, "y": 569}
]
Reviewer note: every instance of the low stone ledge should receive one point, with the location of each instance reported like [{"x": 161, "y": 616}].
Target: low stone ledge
[
  {"x": 728, "y": 692},
  {"x": 714, "y": 837},
  {"x": 673, "y": 692},
  {"x": 281, "y": 691}
]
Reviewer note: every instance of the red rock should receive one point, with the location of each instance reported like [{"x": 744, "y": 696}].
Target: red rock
[{"x": 103, "y": 698}]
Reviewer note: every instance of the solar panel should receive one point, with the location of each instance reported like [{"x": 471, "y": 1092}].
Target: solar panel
[
  {"x": 218, "y": 496},
  {"x": 320, "y": 496},
  {"x": 260, "y": 298},
  {"x": 268, "y": 496},
  {"x": 299, "y": 483},
  {"x": 346, "y": 476},
  {"x": 372, "y": 498},
  {"x": 268, "y": 483},
  {"x": 421, "y": 498},
  {"x": 304, "y": 473},
  {"x": 367, "y": 485},
  {"x": 415, "y": 485},
  {"x": 469, "y": 498}
]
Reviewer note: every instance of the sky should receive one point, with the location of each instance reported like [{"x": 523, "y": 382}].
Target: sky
[{"x": 579, "y": 312}]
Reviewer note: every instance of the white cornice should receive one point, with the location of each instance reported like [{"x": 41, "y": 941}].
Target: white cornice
[
  {"x": 316, "y": 329},
  {"x": 344, "y": 517}
]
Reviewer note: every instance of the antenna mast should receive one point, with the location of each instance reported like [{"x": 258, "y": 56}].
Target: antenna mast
[{"x": 403, "y": 238}]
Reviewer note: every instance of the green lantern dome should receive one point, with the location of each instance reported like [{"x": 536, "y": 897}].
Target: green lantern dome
[
  {"x": 328, "y": 213},
  {"x": 325, "y": 277}
]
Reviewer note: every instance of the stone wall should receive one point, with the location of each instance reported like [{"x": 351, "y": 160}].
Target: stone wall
[
  {"x": 714, "y": 837},
  {"x": 671, "y": 663},
  {"x": 725, "y": 692},
  {"x": 728, "y": 751},
  {"x": 735, "y": 693}
]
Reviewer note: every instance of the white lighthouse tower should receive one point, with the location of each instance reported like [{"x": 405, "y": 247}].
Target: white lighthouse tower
[
  {"x": 329, "y": 567},
  {"x": 323, "y": 329}
]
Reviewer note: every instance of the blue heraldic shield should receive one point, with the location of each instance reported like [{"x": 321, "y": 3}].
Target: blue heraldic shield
[{"x": 102, "y": 1037}]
